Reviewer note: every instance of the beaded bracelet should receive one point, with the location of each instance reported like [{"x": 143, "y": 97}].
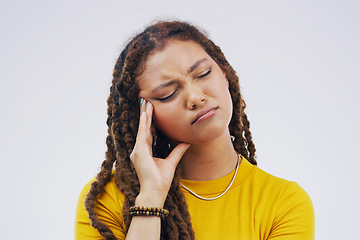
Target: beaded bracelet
[{"x": 148, "y": 211}]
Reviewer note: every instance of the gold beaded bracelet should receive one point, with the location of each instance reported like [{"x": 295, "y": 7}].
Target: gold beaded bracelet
[{"x": 148, "y": 211}]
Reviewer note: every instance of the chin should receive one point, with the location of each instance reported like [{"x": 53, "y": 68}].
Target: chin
[{"x": 210, "y": 135}]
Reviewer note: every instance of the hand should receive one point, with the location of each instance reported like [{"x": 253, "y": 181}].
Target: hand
[{"x": 155, "y": 174}]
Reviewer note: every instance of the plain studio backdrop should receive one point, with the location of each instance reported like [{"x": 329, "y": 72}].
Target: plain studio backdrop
[{"x": 298, "y": 63}]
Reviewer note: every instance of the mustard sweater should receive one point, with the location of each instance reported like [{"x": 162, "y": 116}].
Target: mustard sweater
[{"x": 258, "y": 206}]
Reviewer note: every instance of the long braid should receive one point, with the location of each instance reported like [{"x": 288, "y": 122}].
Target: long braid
[
  {"x": 123, "y": 121},
  {"x": 115, "y": 151},
  {"x": 102, "y": 179},
  {"x": 125, "y": 129},
  {"x": 187, "y": 231}
]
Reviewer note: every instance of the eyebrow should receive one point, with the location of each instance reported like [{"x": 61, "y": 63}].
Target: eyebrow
[
  {"x": 192, "y": 68},
  {"x": 164, "y": 85}
]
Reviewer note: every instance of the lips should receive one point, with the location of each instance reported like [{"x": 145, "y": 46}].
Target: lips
[{"x": 203, "y": 113}]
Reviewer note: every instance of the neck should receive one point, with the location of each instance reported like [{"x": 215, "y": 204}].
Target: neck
[{"x": 209, "y": 161}]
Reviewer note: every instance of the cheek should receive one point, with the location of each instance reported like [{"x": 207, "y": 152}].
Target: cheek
[
  {"x": 158, "y": 117},
  {"x": 164, "y": 118},
  {"x": 222, "y": 94},
  {"x": 229, "y": 103}
]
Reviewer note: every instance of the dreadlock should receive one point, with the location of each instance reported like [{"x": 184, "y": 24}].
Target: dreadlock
[{"x": 123, "y": 120}]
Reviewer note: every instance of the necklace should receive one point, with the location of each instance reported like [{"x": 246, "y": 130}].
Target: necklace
[{"x": 221, "y": 194}]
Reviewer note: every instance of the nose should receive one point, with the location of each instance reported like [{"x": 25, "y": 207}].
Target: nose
[{"x": 195, "y": 97}]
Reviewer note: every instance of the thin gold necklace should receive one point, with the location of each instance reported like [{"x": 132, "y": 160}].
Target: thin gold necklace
[{"x": 221, "y": 194}]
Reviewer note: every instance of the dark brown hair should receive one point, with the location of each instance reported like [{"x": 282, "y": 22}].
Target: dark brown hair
[{"x": 123, "y": 119}]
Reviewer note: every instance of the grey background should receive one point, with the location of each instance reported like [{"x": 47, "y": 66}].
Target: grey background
[{"x": 298, "y": 63}]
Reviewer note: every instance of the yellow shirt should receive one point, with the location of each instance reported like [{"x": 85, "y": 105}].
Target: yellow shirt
[{"x": 258, "y": 206}]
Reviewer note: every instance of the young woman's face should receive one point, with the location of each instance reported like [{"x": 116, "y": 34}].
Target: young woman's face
[{"x": 189, "y": 93}]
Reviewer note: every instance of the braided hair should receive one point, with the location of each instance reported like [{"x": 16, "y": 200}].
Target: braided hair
[{"x": 123, "y": 121}]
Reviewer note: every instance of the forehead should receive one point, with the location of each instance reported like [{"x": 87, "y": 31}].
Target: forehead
[
  {"x": 175, "y": 58},
  {"x": 176, "y": 51}
]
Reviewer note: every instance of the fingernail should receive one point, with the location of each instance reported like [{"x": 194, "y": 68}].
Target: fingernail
[
  {"x": 147, "y": 104},
  {"x": 141, "y": 101}
]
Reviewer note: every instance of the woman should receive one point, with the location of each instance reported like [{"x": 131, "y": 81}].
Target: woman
[{"x": 180, "y": 141}]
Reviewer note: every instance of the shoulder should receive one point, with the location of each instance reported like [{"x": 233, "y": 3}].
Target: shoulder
[
  {"x": 108, "y": 207},
  {"x": 292, "y": 207},
  {"x": 268, "y": 189},
  {"x": 110, "y": 194},
  {"x": 273, "y": 185}
]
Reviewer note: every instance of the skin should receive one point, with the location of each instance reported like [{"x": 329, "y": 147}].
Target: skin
[
  {"x": 186, "y": 73},
  {"x": 167, "y": 73}
]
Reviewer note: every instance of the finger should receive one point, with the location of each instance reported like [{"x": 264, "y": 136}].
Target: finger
[
  {"x": 141, "y": 139},
  {"x": 142, "y": 105},
  {"x": 142, "y": 121},
  {"x": 149, "y": 112},
  {"x": 177, "y": 153}
]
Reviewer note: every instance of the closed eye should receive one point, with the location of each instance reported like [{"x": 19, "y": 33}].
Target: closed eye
[
  {"x": 164, "y": 99},
  {"x": 205, "y": 74}
]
